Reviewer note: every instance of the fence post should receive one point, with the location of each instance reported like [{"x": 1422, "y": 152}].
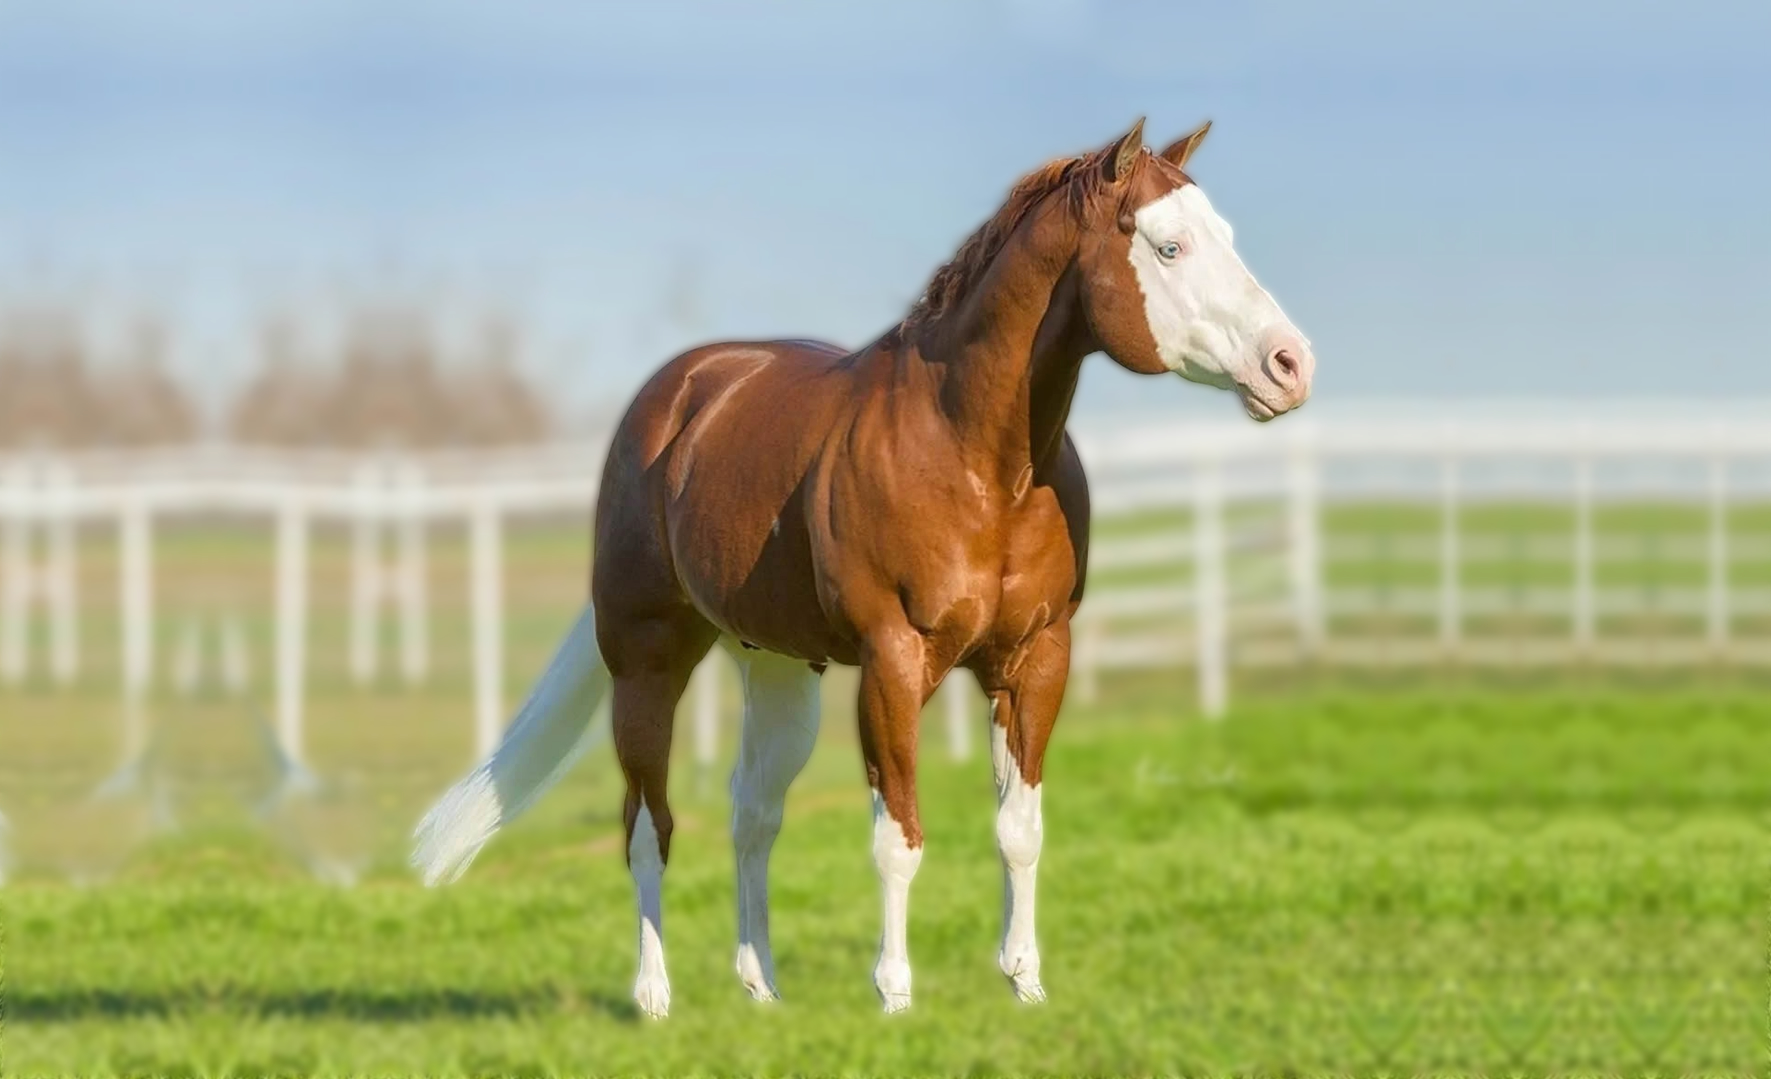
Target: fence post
[
  {"x": 414, "y": 578},
  {"x": 1717, "y": 607},
  {"x": 959, "y": 727},
  {"x": 16, "y": 583},
  {"x": 62, "y": 577},
  {"x": 292, "y": 596},
  {"x": 366, "y": 583},
  {"x": 1306, "y": 550},
  {"x": 37, "y": 500},
  {"x": 136, "y": 583},
  {"x": 1210, "y": 588},
  {"x": 488, "y": 621},
  {"x": 1583, "y": 554},
  {"x": 1450, "y": 559}
]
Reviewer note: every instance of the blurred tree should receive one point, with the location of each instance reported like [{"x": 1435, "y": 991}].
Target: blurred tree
[
  {"x": 51, "y": 395},
  {"x": 281, "y": 405},
  {"x": 389, "y": 386},
  {"x": 141, "y": 404}
]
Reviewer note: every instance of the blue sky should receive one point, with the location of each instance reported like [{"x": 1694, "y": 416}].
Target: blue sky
[{"x": 1455, "y": 200}]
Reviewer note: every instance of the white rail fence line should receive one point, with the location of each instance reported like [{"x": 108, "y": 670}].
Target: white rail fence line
[
  {"x": 1213, "y": 474},
  {"x": 374, "y": 583},
  {"x": 24, "y": 581},
  {"x": 294, "y": 506}
]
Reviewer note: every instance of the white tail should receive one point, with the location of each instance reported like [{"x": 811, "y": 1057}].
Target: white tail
[{"x": 548, "y": 736}]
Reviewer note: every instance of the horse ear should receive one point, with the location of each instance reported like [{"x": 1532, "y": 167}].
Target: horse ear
[
  {"x": 1182, "y": 148},
  {"x": 1125, "y": 152}
]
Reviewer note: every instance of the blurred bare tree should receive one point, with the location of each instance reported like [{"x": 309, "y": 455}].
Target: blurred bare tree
[
  {"x": 282, "y": 403},
  {"x": 388, "y": 380},
  {"x": 52, "y": 394},
  {"x": 390, "y": 385}
]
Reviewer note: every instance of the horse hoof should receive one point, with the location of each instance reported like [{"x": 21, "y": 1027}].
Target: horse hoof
[
  {"x": 754, "y": 973},
  {"x": 652, "y": 994},
  {"x": 1022, "y": 972},
  {"x": 892, "y": 980}
]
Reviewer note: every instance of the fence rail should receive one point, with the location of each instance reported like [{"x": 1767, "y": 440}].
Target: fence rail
[{"x": 1216, "y": 546}]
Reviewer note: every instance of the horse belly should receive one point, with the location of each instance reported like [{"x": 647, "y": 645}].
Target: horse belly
[{"x": 748, "y": 569}]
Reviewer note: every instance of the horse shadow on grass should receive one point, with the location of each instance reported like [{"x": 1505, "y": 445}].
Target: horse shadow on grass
[{"x": 358, "y": 1005}]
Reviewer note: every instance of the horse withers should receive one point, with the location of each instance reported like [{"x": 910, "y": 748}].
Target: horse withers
[{"x": 909, "y": 508}]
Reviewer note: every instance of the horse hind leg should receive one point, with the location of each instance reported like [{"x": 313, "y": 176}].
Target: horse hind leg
[
  {"x": 651, "y": 662},
  {"x": 780, "y": 728}
]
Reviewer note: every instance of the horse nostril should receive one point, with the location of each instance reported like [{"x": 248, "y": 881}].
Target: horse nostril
[{"x": 1285, "y": 365}]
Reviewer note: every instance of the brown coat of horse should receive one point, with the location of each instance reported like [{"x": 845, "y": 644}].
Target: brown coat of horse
[{"x": 909, "y": 508}]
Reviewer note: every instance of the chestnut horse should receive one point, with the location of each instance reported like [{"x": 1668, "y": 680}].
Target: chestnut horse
[{"x": 909, "y": 508}]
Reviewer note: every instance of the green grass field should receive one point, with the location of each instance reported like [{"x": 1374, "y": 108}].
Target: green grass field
[
  {"x": 1495, "y": 882},
  {"x": 1389, "y": 873}
]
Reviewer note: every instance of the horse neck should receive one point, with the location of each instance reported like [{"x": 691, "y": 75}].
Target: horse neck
[{"x": 1010, "y": 353}]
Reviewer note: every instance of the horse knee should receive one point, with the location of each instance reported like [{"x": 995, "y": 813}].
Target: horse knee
[
  {"x": 1019, "y": 833},
  {"x": 754, "y": 825},
  {"x": 648, "y": 836}
]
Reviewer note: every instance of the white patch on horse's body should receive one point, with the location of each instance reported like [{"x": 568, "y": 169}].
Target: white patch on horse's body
[
  {"x": 978, "y": 487},
  {"x": 781, "y": 707},
  {"x": 1207, "y": 313},
  {"x": 1020, "y": 832},
  {"x": 897, "y": 863},
  {"x": 645, "y": 858}
]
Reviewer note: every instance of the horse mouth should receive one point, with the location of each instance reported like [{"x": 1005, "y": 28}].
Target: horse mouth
[{"x": 1257, "y": 409}]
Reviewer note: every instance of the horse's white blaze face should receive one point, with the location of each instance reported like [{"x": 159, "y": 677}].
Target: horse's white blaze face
[{"x": 1211, "y": 321}]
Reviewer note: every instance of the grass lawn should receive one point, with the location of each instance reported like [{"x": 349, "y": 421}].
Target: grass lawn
[{"x": 1445, "y": 879}]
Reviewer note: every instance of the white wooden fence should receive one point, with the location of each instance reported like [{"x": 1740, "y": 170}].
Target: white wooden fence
[{"x": 1210, "y": 550}]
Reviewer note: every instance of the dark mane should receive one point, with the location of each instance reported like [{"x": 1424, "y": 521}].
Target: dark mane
[{"x": 1078, "y": 175}]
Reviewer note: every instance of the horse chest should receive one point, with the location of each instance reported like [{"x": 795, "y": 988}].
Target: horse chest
[
  {"x": 994, "y": 594},
  {"x": 1038, "y": 570}
]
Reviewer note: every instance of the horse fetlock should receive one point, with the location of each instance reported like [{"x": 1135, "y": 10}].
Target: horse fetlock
[
  {"x": 1021, "y": 967},
  {"x": 651, "y": 992},
  {"x": 757, "y": 972},
  {"x": 892, "y": 978}
]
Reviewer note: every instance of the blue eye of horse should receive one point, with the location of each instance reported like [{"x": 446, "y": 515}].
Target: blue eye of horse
[{"x": 1169, "y": 250}]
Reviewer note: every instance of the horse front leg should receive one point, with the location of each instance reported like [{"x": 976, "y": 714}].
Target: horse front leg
[
  {"x": 1021, "y": 720},
  {"x": 893, "y": 691}
]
